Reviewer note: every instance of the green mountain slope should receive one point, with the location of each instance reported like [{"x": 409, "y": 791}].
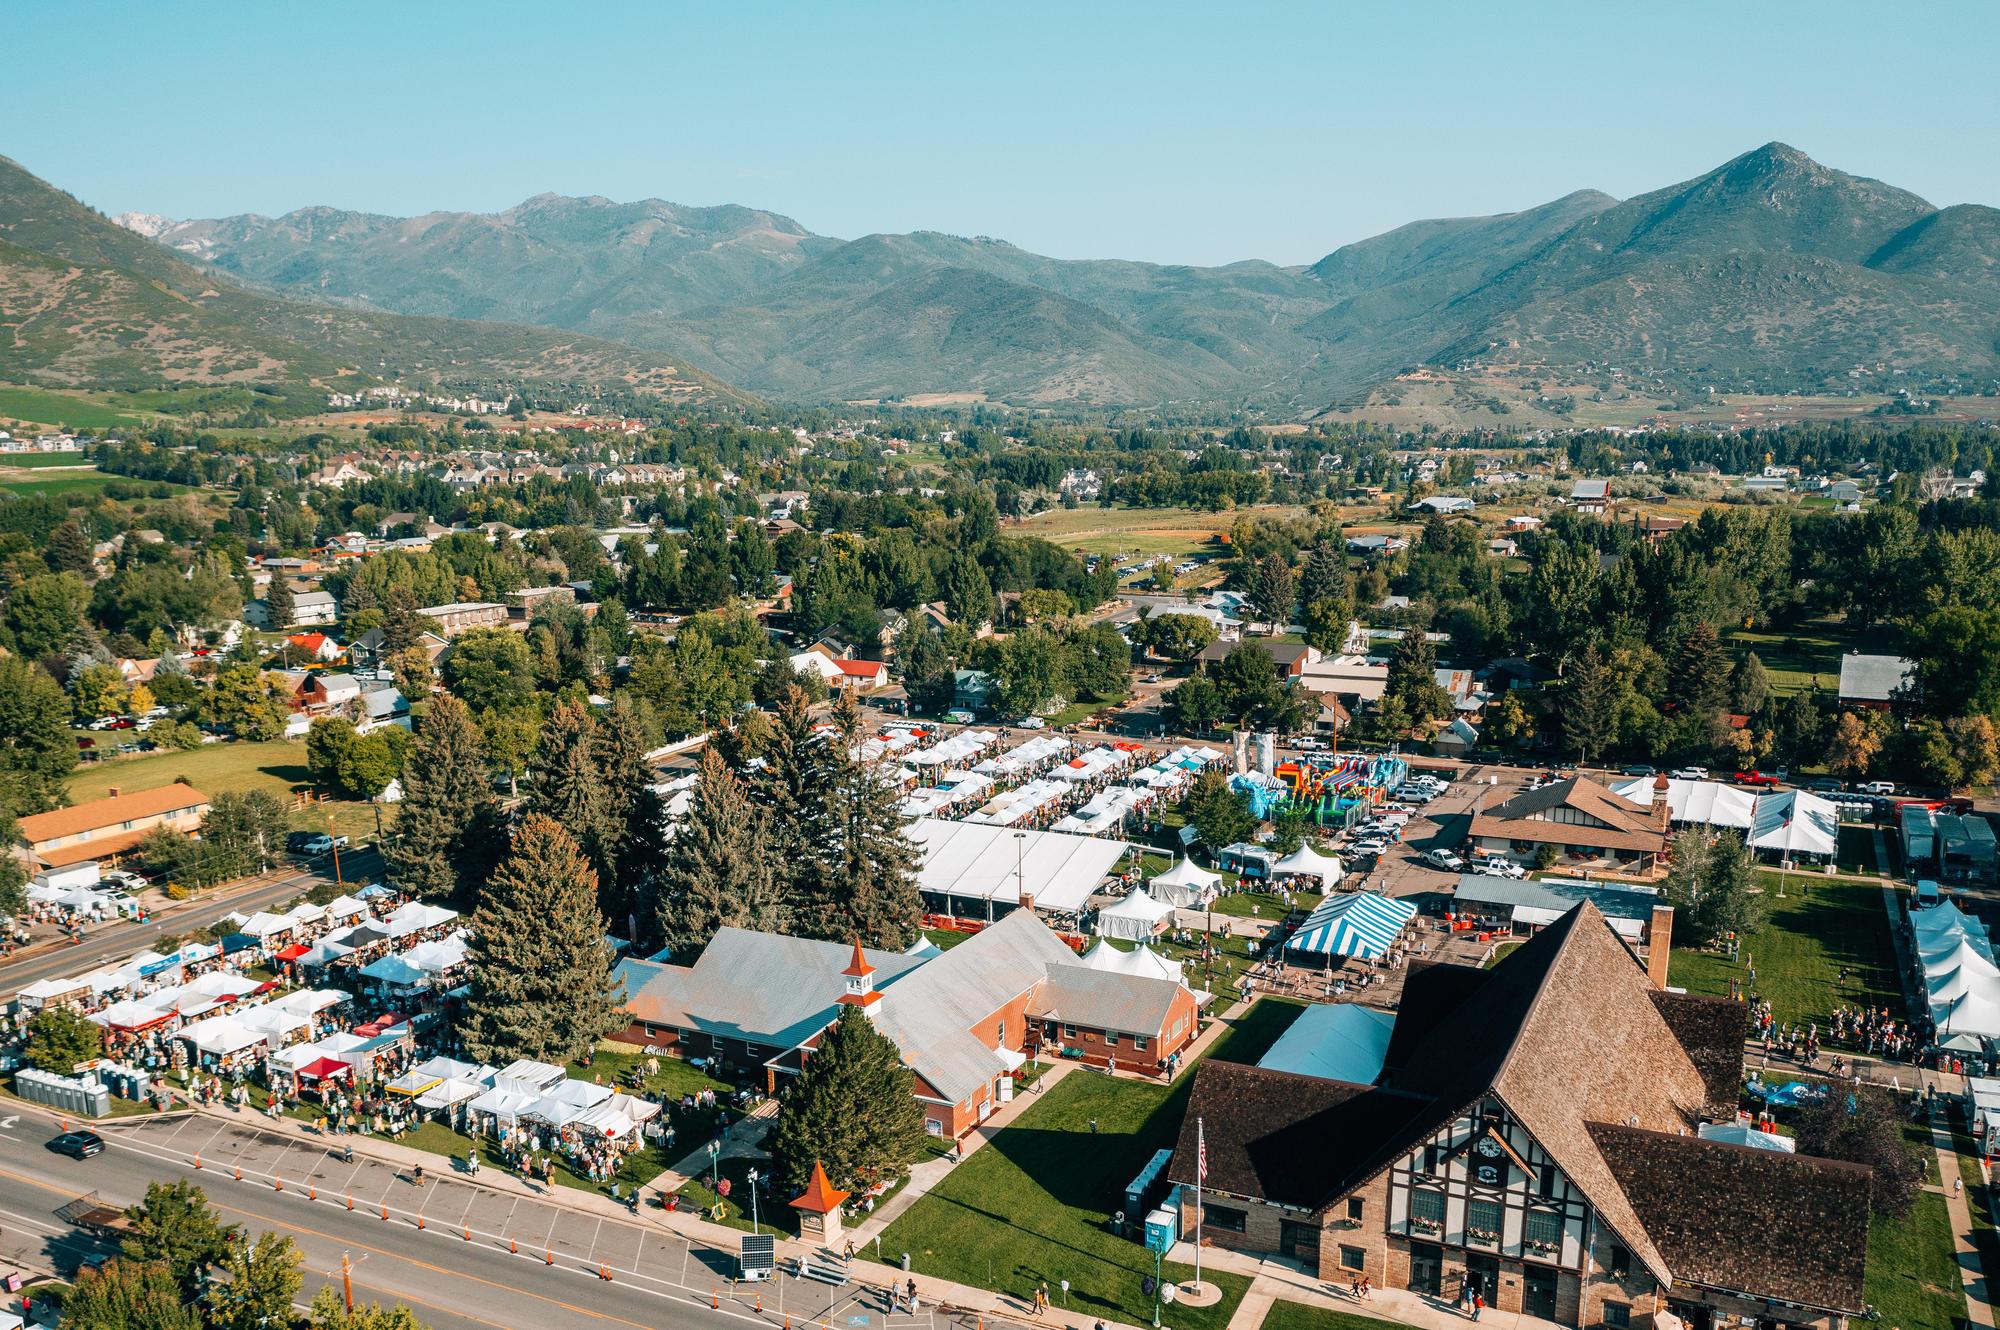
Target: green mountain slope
[
  {"x": 1771, "y": 271},
  {"x": 87, "y": 302}
]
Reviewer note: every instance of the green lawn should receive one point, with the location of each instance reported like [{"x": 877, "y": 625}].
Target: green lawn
[
  {"x": 1263, "y": 904},
  {"x": 1297, "y": 1316},
  {"x": 1820, "y": 926},
  {"x": 946, "y": 938},
  {"x": 1032, "y": 1205},
  {"x": 60, "y": 482},
  {"x": 1502, "y": 952},
  {"x": 36, "y": 461},
  {"x": 1979, "y": 1202},
  {"x": 1913, "y": 1279},
  {"x": 1793, "y": 658},
  {"x": 51, "y": 408},
  {"x": 1856, "y": 850},
  {"x": 278, "y": 767}
]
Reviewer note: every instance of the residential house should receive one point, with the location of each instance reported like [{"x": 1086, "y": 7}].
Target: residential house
[
  {"x": 1531, "y": 1133},
  {"x": 326, "y": 694},
  {"x": 309, "y": 609},
  {"x": 1444, "y": 505},
  {"x": 522, "y": 604},
  {"x": 1375, "y": 546},
  {"x": 964, "y": 1019},
  {"x": 1291, "y": 658},
  {"x": 109, "y": 826},
  {"x": 1591, "y": 496},
  {"x": 316, "y": 645},
  {"x": 1585, "y": 824}
]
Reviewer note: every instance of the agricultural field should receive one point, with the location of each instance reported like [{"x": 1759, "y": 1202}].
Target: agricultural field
[
  {"x": 40, "y": 406},
  {"x": 49, "y": 480}
]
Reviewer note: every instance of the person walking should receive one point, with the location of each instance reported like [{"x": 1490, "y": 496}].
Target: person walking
[{"x": 1478, "y": 1305}]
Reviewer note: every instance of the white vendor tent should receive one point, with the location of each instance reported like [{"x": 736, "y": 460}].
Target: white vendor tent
[
  {"x": 1137, "y": 916},
  {"x": 1706, "y": 802},
  {"x": 1795, "y": 824},
  {"x": 1308, "y": 862},
  {"x": 1186, "y": 884},
  {"x": 1974, "y": 1014},
  {"x": 1142, "y": 960},
  {"x": 966, "y": 864},
  {"x": 1738, "y": 1133}
]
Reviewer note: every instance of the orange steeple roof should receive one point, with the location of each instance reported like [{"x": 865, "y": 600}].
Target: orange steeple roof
[
  {"x": 820, "y": 1196},
  {"x": 859, "y": 966}
]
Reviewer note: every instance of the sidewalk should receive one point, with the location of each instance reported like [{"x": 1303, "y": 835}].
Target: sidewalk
[
  {"x": 1274, "y": 1279},
  {"x": 265, "y": 1151},
  {"x": 1978, "y": 1300}
]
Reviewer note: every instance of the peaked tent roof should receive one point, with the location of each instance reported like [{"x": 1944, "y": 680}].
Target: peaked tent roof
[
  {"x": 1308, "y": 862},
  {"x": 1362, "y": 924},
  {"x": 1795, "y": 822}
]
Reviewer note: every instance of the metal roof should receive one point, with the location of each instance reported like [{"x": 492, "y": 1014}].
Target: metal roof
[{"x": 1873, "y": 678}]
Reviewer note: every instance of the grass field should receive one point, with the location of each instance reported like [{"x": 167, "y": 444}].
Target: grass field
[
  {"x": 1297, "y": 1316},
  {"x": 1181, "y": 532},
  {"x": 278, "y": 767},
  {"x": 30, "y": 481},
  {"x": 1822, "y": 927},
  {"x": 1032, "y": 1205},
  {"x": 52, "y": 408},
  {"x": 1913, "y": 1278},
  {"x": 37, "y": 461},
  {"x": 1794, "y": 658}
]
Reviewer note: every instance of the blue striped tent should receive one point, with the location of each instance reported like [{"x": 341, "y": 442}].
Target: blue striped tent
[{"x": 1361, "y": 924}]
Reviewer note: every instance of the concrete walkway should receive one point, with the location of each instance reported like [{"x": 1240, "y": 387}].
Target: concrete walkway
[
  {"x": 1275, "y": 1279},
  {"x": 1978, "y": 1299}
]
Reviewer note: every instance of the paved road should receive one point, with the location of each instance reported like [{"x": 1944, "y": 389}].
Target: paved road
[
  {"x": 119, "y": 940},
  {"x": 527, "y": 1264}
]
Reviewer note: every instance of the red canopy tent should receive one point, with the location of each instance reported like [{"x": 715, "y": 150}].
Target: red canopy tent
[
  {"x": 293, "y": 952},
  {"x": 322, "y": 1069}
]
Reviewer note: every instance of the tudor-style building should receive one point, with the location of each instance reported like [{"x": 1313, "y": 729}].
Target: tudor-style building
[
  {"x": 1532, "y": 1134},
  {"x": 1585, "y": 824}
]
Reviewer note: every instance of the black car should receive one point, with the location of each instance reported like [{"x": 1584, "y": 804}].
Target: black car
[{"x": 78, "y": 1144}]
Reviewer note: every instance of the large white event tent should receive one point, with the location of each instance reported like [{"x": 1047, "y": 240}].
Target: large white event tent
[
  {"x": 965, "y": 865},
  {"x": 1795, "y": 823},
  {"x": 1973, "y": 1014},
  {"x": 1142, "y": 960},
  {"x": 1187, "y": 884},
  {"x": 1707, "y": 802},
  {"x": 1308, "y": 862},
  {"x": 1136, "y": 917}
]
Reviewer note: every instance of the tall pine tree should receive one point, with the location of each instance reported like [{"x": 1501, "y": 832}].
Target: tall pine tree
[
  {"x": 1587, "y": 705},
  {"x": 445, "y": 794},
  {"x": 566, "y": 781},
  {"x": 721, "y": 872},
  {"x": 278, "y": 603},
  {"x": 631, "y": 842},
  {"x": 795, "y": 784},
  {"x": 851, "y": 1110},
  {"x": 541, "y": 969}
]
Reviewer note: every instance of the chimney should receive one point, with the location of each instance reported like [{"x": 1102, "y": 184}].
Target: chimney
[
  {"x": 1663, "y": 809},
  {"x": 1659, "y": 945}
]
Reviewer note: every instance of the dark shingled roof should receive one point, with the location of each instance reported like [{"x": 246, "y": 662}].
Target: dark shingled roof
[
  {"x": 1711, "y": 1029},
  {"x": 1761, "y": 1222},
  {"x": 1269, "y": 1132}
]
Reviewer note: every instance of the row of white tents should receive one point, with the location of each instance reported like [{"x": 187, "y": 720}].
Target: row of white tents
[
  {"x": 1793, "y": 824},
  {"x": 1961, "y": 981}
]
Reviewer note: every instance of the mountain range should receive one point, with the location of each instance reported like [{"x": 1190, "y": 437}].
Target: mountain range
[
  {"x": 1770, "y": 273},
  {"x": 86, "y": 303}
]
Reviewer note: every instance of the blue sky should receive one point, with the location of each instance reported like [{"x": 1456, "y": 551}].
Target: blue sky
[{"x": 1195, "y": 133}]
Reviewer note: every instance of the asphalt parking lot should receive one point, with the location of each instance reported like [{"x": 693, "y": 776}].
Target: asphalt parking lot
[{"x": 1443, "y": 823}]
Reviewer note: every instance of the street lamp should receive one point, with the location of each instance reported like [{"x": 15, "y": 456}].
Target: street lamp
[
  {"x": 715, "y": 1166},
  {"x": 751, "y": 1177}
]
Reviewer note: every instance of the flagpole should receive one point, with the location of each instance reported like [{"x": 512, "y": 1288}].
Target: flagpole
[{"x": 1200, "y": 1175}]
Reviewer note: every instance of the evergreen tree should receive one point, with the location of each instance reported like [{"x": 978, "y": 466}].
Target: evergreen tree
[
  {"x": 851, "y": 1110},
  {"x": 867, "y": 876},
  {"x": 1589, "y": 698},
  {"x": 721, "y": 872},
  {"x": 632, "y": 843},
  {"x": 1274, "y": 590},
  {"x": 13, "y": 872},
  {"x": 69, "y": 549},
  {"x": 541, "y": 969},
  {"x": 1218, "y": 812},
  {"x": 1413, "y": 678},
  {"x": 796, "y": 785},
  {"x": 445, "y": 792},
  {"x": 1749, "y": 685},
  {"x": 565, "y": 781},
  {"x": 1698, "y": 683},
  {"x": 278, "y": 603}
]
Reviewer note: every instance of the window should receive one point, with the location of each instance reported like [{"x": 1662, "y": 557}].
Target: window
[
  {"x": 1548, "y": 1181},
  {"x": 1617, "y": 1315},
  {"x": 1069, "y": 1031},
  {"x": 1352, "y": 1258},
  {"x": 1138, "y": 1043},
  {"x": 1482, "y": 1221},
  {"x": 1430, "y": 1159},
  {"x": 1621, "y": 1262},
  {"x": 933, "y": 1127},
  {"x": 1427, "y": 1205},
  {"x": 1542, "y": 1232},
  {"x": 1111, "y": 1038},
  {"x": 1224, "y": 1218},
  {"x": 1000, "y": 1034},
  {"x": 1354, "y": 1207}
]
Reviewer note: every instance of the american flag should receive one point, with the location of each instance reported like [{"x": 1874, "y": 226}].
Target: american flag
[{"x": 1201, "y": 1151}]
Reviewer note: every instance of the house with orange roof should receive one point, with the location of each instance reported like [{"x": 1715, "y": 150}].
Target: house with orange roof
[{"x": 109, "y": 826}]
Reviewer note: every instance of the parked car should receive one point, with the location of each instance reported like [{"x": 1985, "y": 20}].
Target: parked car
[
  {"x": 106, "y": 723},
  {"x": 118, "y": 877},
  {"x": 1825, "y": 785},
  {"x": 1877, "y": 787},
  {"x": 1497, "y": 865},
  {"x": 1445, "y": 860},
  {"x": 78, "y": 1144},
  {"x": 1642, "y": 770},
  {"x": 323, "y": 844},
  {"x": 1690, "y": 773},
  {"x": 1760, "y": 779},
  {"x": 1371, "y": 848},
  {"x": 1032, "y": 723}
]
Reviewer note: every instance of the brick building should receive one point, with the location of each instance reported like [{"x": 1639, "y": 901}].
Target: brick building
[
  {"x": 1532, "y": 1135},
  {"x": 964, "y": 1019}
]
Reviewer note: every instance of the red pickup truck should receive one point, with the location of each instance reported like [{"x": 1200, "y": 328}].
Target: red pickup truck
[{"x": 1760, "y": 779}]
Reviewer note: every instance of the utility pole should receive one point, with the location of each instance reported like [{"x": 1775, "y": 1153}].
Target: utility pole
[
  {"x": 347, "y": 1282},
  {"x": 335, "y": 841}
]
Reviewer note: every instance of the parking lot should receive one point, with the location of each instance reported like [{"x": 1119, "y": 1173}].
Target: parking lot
[{"x": 1441, "y": 824}]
